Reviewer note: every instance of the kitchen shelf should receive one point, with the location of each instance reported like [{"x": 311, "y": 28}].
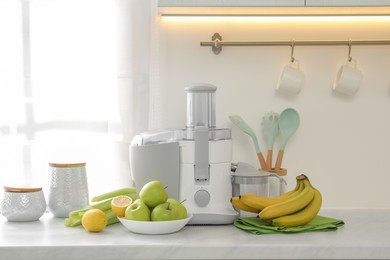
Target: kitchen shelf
[{"x": 364, "y": 236}]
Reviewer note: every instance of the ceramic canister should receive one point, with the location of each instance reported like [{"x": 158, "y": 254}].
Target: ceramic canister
[
  {"x": 23, "y": 204},
  {"x": 68, "y": 188}
]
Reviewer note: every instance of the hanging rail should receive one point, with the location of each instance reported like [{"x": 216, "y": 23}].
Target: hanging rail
[{"x": 216, "y": 43}]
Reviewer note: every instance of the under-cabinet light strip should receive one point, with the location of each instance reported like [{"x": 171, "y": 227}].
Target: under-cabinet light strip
[{"x": 199, "y": 11}]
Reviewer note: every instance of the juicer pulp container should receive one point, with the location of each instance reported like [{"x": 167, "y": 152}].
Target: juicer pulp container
[{"x": 248, "y": 180}]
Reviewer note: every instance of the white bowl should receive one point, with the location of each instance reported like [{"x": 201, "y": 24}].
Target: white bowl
[{"x": 155, "y": 227}]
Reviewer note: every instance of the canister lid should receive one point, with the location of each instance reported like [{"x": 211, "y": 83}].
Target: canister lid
[
  {"x": 22, "y": 189},
  {"x": 67, "y": 164}
]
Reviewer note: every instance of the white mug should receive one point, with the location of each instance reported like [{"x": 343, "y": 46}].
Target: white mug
[
  {"x": 348, "y": 78},
  {"x": 291, "y": 79}
]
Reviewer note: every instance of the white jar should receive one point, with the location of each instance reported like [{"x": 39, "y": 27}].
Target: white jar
[
  {"x": 23, "y": 204},
  {"x": 68, "y": 188}
]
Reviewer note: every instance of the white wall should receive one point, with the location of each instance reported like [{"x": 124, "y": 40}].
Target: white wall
[{"x": 342, "y": 143}]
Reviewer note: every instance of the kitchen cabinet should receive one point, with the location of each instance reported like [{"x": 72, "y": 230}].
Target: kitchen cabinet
[
  {"x": 364, "y": 236},
  {"x": 347, "y": 2},
  {"x": 227, "y": 3},
  {"x": 269, "y": 7},
  {"x": 265, "y": 3}
]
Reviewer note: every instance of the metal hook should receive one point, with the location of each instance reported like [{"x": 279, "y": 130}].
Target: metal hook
[
  {"x": 217, "y": 47},
  {"x": 217, "y": 43},
  {"x": 349, "y": 50},
  {"x": 292, "y": 50}
]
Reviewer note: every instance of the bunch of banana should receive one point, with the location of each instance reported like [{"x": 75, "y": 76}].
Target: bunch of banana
[{"x": 294, "y": 208}]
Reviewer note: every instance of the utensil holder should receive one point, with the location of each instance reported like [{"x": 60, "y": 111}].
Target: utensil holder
[{"x": 280, "y": 172}]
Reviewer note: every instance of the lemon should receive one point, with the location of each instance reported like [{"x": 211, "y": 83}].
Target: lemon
[
  {"x": 119, "y": 205},
  {"x": 94, "y": 220}
]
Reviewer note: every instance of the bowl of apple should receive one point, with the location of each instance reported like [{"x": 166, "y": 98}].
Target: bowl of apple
[
  {"x": 154, "y": 213},
  {"x": 155, "y": 227}
]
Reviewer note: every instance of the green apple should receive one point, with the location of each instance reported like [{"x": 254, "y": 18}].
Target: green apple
[
  {"x": 153, "y": 193},
  {"x": 178, "y": 207},
  {"x": 163, "y": 212},
  {"x": 138, "y": 211}
]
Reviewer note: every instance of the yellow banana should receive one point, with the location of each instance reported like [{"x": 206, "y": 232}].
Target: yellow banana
[
  {"x": 260, "y": 202},
  {"x": 291, "y": 205},
  {"x": 301, "y": 217},
  {"x": 255, "y": 201},
  {"x": 239, "y": 205}
]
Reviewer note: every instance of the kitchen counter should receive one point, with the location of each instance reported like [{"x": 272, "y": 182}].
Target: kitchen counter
[{"x": 365, "y": 235}]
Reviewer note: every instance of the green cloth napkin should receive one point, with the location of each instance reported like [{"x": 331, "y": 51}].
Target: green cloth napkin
[{"x": 256, "y": 226}]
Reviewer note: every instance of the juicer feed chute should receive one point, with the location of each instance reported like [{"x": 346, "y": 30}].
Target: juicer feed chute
[{"x": 201, "y": 106}]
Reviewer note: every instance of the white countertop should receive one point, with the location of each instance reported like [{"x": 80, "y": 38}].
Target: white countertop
[{"x": 365, "y": 235}]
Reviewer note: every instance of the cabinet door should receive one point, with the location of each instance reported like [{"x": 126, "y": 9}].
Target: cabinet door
[
  {"x": 347, "y": 2},
  {"x": 227, "y": 3}
]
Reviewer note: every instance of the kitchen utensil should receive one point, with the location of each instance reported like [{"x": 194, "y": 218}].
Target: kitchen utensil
[
  {"x": 247, "y": 179},
  {"x": 271, "y": 129},
  {"x": 68, "y": 188},
  {"x": 288, "y": 123},
  {"x": 240, "y": 123},
  {"x": 194, "y": 162},
  {"x": 21, "y": 204}
]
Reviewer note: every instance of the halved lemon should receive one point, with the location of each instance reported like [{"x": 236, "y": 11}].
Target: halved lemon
[{"x": 119, "y": 205}]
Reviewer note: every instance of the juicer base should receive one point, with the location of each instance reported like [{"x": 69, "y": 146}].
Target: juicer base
[{"x": 213, "y": 218}]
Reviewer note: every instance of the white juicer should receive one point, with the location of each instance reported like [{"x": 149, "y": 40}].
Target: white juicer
[{"x": 194, "y": 162}]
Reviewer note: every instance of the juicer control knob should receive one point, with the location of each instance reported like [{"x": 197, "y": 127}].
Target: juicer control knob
[{"x": 202, "y": 198}]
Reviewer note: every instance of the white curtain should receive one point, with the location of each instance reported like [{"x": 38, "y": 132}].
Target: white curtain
[
  {"x": 137, "y": 73},
  {"x": 75, "y": 82}
]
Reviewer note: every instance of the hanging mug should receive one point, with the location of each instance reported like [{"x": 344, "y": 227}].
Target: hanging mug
[
  {"x": 348, "y": 79},
  {"x": 291, "y": 79}
]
